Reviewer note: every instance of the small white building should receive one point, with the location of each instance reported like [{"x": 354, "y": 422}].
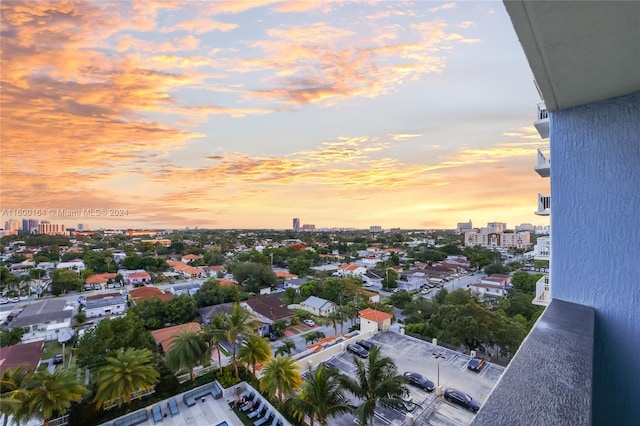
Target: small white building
[
  {"x": 486, "y": 289},
  {"x": 44, "y": 320},
  {"x": 77, "y": 266},
  {"x": 318, "y": 306},
  {"x": 105, "y": 306}
]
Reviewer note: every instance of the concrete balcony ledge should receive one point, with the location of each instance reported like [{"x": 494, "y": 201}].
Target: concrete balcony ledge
[{"x": 549, "y": 381}]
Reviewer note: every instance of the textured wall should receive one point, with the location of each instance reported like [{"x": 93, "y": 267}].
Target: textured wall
[{"x": 595, "y": 217}]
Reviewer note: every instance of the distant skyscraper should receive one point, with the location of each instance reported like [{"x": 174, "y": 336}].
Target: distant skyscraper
[
  {"x": 375, "y": 228},
  {"x": 12, "y": 225},
  {"x": 296, "y": 224},
  {"x": 464, "y": 226},
  {"x": 308, "y": 227},
  {"x": 25, "y": 225}
]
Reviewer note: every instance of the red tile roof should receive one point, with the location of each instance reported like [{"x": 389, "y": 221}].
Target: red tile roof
[
  {"x": 139, "y": 275},
  {"x": 317, "y": 347},
  {"x": 102, "y": 296},
  {"x": 143, "y": 293},
  {"x": 282, "y": 274},
  {"x": 165, "y": 336},
  {"x": 375, "y": 316},
  {"x": 99, "y": 278}
]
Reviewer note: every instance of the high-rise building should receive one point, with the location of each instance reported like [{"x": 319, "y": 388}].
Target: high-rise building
[
  {"x": 12, "y": 225},
  {"x": 296, "y": 224},
  {"x": 308, "y": 227},
  {"x": 464, "y": 226},
  {"x": 375, "y": 228},
  {"x": 497, "y": 226},
  {"x": 48, "y": 228}
]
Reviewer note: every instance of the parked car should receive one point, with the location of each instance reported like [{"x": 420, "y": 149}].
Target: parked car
[
  {"x": 4, "y": 300},
  {"x": 418, "y": 380},
  {"x": 476, "y": 364},
  {"x": 14, "y": 299},
  {"x": 309, "y": 322},
  {"x": 58, "y": 359},
  {"x": 462, "y": 399},
  {"x": 366, "y": 344},
  {"x": 358, "y": 350}
]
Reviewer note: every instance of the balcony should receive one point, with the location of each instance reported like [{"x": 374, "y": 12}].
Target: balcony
[
  {"x": 543, "y": 168},
  {"x": 543, "y": 291},
  {"x": 542, "y": 121},
  {"x": 550, "y": 379},
  {"x": 544, "y": 204}
]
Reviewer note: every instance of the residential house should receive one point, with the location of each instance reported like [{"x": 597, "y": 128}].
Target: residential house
[
  {"x": 269, "y": 308},
  {"x": 186, "y": 271},
  {"x": 372, "y": 277},
  {"x": 26, "y": 355},
  {"x": 105, "y": 306},
  {"x": 373, "y": 321},
  {"x": 141, "y": 294},
  {"x": 351, "y": 270},
  {"x": 76, "y": 265},
  {"x": 209, "y": 312},
  {"x": 285, "y": 275},
  {"x": 164, "y": 337},
  {"x": 98, "y": 281},
  {"x": 45, "y": 320},
  {"x": 139, "y": 278},
  {"x": 212, "y": 271},
  {"x": 318, "y": 306},
  {"x": 190, "y": 257},
  {"x": 295, "y": 283},
  {"x": 488, "y": 289},
  {"x": 188, "y": 289}
]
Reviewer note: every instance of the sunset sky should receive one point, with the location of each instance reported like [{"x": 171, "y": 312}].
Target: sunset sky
[{"x": 245, "y": 114}]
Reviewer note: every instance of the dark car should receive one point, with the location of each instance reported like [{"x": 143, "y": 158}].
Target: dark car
[
  {"x": 358, "y": 350},
  {"x": 420, "y": 381},
  {"x": 462, "y": 399},
  {"x": 366, "y": 344},
  {"x": 58, "y": 359},
  {"x": 476, "y": 364}
]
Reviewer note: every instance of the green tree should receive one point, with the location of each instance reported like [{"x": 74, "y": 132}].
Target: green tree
[
  {"x": 212, "y": 293},
  {"x": 496, "y": 268},
  {"x": 129, "y": 372},
  {"x": 254, "y": 350},
  {"x": 11, "y": 337},
  {"x": 236, "y": 323},
  {"x": 300, "y": 267},
  {"x": 458, "y": 297},
  {"x": 471, "y": 324},
  {"x": 180, "y": 309},
  {"x": 322, "y": 397},
  {"x": 281, "y": 377},
  {"x": 215, "y": 334},
  {"x": 390, "y": 279},
  {"x": 188, "y": 350},
  {"x": 254, "y": 276},
  {"x": 152, "y": 311},
  {"x": 525, "y": 282},
  {"x": 278, "y": 327},
  {"x": 400, "y": 299},
  {"x": 110, "y": 335},
  {"x": 13, "y": 391},
  {"x": 286, "y": 347},
  {"x": 51, "y": 393},
  {"x": 63, "y": 281},
  {"x": 376, "y": 380}
]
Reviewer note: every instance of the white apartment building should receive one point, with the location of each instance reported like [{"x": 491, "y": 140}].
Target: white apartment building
[{"x": 498, "y": 239}]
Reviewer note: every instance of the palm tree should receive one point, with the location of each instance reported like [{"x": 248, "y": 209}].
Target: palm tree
[
  {"x": 189, "y": 349},
  {"x": 334, "y": 318},
  {"x": 281, "y": 376},
  {"x": 286, "y": 347},
  {"x": 13, "y": 392},
  {"x": 125, "y": 374},
  {"x": 255, "y": 350},
  {"x": 376, "y": 380},
  {"x": 215, "y": 334},
  {"x": 239, "y": 321},
  {"x": 51, "y": 393},
  {"x": 321, "y": 398}
]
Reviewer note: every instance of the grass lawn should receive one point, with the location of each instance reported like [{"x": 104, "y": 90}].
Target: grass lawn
[{"x": 242, "y": 415}]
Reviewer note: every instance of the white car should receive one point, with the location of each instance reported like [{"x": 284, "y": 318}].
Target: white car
[{"x": 309, "y": 322}]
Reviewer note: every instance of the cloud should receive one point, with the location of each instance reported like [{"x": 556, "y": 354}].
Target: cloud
[
  {"x": 445, "y": 6},
  {"x": 201, "y": 26}
]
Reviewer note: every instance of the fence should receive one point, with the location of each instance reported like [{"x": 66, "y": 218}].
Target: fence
[{"x": 199, "y": 372}]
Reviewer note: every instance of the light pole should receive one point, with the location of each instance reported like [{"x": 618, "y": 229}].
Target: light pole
[{"x": 438, "y": 357}]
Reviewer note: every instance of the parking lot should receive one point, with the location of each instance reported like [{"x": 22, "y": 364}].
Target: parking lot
[{"x": 411, "y": 354}]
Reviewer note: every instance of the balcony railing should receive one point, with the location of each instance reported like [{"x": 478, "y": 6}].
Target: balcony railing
[
  {"x": 550, "y": 379},
  {"x": 543, "y": 291},
  {"x": 542, "y": 121},
  {"x": 544, "y": 204},
  {"x": 544, "y": 162}
]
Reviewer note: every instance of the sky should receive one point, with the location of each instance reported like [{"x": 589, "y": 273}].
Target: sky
[{"x": 246, "y": 114}]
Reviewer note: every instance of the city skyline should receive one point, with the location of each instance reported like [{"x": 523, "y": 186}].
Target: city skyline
[{"x": 232, "y": 114}]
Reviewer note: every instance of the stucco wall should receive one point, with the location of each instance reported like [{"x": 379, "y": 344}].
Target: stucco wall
[{"x": 595, "y": 217}]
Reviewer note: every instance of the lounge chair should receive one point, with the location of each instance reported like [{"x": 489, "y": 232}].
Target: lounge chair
[
  {"x": 254, "y": 402},
  {"x": 173, "y": 406},
  {"x": 264, "y": 419},
  {"x": 275, "y": 421},
  {"x": 256, "y": 413},
  {"x": 157, "y": 413}
]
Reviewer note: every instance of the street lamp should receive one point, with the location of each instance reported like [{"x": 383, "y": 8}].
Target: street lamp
[{"x": 438, "y": 357}]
